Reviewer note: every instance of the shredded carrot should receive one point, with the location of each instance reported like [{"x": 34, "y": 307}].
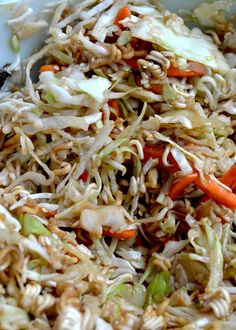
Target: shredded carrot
[
  {"x": 125, "y": 234},
  {"x": 115, "y": 105},
  {"x": 176, "y": 72},
  {"x": 178, "y": 187},
  {"x": 50, "y": 67},
  {"x": 152, "y": 151},
  {"x": 233, "y": 186},
  {"x": 216, "y": 192},
  {"x": 229, "y": 177},
  {"x": 122, "y": 14},
  {"x": 194, "y": 70},
  {"x": 209, "y": 187},
  {"x": 156, "y": 88},
  {"x": 155, "y": 151}
]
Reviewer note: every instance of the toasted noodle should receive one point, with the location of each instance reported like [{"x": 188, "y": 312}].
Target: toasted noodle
[{"x": 118, "y": 169}]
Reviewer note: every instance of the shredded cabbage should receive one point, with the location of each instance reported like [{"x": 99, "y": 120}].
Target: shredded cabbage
[
  {"x": 61, "y": 122},
  {"x": 190, "y": 44},
  {"x": 9, "y": 219},
  {"x": 206, "y": 13},
  {"x": 62, "y": 95}
]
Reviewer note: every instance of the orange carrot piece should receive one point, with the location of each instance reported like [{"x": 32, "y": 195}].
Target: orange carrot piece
[
  {"x": 156, "y": 88},
  {"x": 154, "y": 151},
  {"x": 216, "y": 192},
  {"x": 178, "y": 187},
  {"x": 229, "y": 177},
  {"x": 233, "y": 186},
  {"x": 122, "y": 14},
  {"x": 50, "y": 67},
  {"x": 115, "y": 105},
  {"x": 125, "y": 234},
  {"x": 194, "y": 70}
]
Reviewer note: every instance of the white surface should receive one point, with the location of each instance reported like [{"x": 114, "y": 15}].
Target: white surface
[
  {"x": 7, "y": 55},
  {"x": 175, "y": 5}
]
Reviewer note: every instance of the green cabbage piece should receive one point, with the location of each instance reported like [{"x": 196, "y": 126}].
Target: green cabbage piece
[
  {"x": 61, "y": 57},
  {"x": 216, "y": 256},
  {"x": 117, "y": 291},
  {"x": 14, "y": 42},
  {"x": 159, "y": 288},
  {"x": 168, "y": 93},
  {"x": 189, "y": 44},
  {"x": 30, "y": 225}
]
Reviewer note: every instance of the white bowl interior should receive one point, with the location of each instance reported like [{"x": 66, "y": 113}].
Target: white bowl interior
[{"x": 27, "y": 46}]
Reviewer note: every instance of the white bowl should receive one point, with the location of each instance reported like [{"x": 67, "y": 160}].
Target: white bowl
[{"x": 27, "y": 46}]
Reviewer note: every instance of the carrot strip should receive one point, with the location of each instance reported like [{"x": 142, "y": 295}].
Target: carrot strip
[
  {"x": 178, "y": 187},
  {"x": 154, "y": 151},
  {"x": 176, "y": 72},
  {"x": 125, "y": 234},
  {"x": 50, "y": 67},
  {"x": 115, "y": 105},
  {"x": 233, "y": 186},
  {"x": 229, "y": 177},
  {"x": 122, "y": 14},
  {"x": 194, "y": 70},
  {"x": 209, "y": 187},
  {"x": 156, "y": 88},
  {"x": 214, "y": 191}
]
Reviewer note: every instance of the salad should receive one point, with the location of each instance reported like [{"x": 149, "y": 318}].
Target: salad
[{"x": 118, "y": 169}]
